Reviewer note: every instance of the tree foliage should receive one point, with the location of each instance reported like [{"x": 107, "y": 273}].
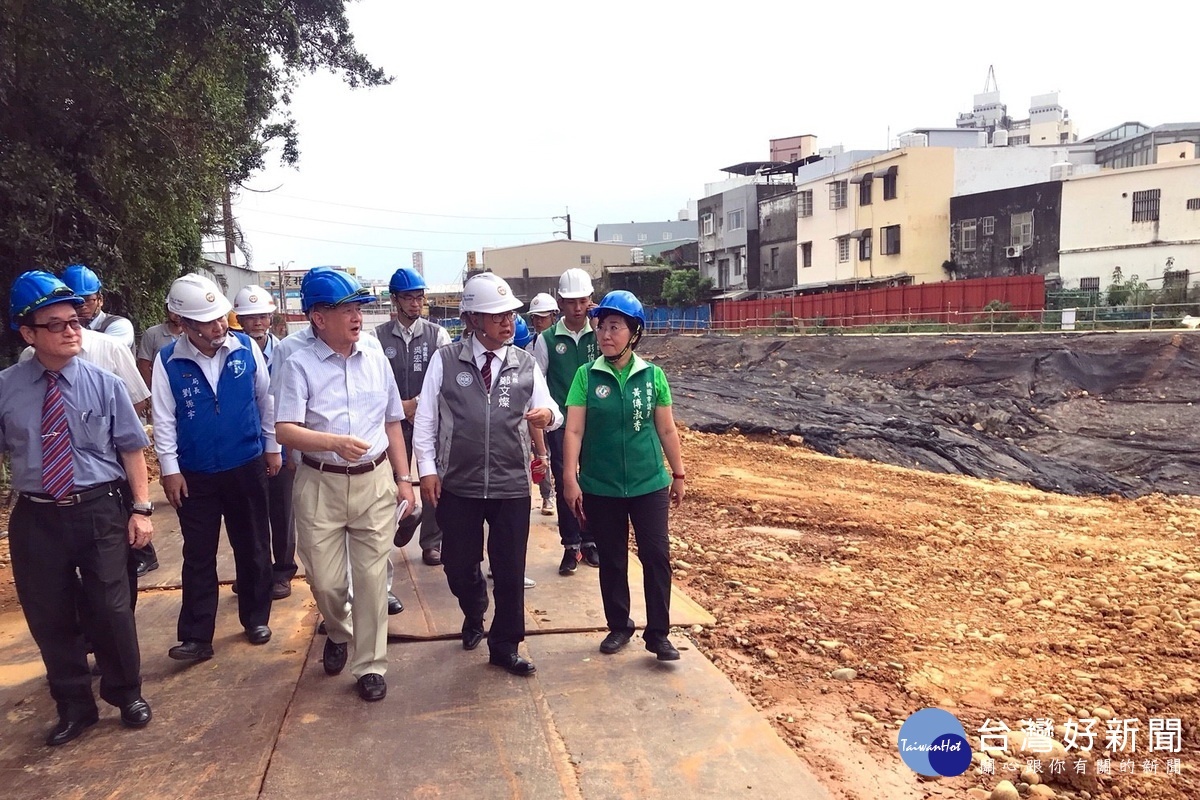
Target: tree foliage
[
  {"x": 122, "y": 121},
  {"x": 1131, "y": 291},
  {"x": 685, "y": 287}
]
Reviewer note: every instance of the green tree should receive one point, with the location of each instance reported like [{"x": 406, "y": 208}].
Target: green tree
[
  {"x": 1131, "y": 291},
  {"x": 685, "y": 287},
  {"x": 123, "y": 121}
]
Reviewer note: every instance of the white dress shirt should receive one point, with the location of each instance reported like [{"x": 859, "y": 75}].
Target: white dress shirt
[
  {"x": 162, "y": 399},
  {"x": 425, "y": 422},
  {"x": 542, "y": 355},
  {"x": 325, "y": 392},
  {"x": 120, "y": 328},
  {"x": 303, "y": 338}
]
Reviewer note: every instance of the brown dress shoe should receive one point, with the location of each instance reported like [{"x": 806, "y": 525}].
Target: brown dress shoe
[{"x": 432, "y": 556}]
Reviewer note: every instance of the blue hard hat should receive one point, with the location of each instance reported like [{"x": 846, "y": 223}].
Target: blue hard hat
[
  {"x": 406, "y": 279},
  {"x": 623, "y": 303},
  {"x": 34, "y": 290},
  {"x": 522, "y": 335},
  {"x": 324, "y": 285},
  {"x": 81, "y": 280}
]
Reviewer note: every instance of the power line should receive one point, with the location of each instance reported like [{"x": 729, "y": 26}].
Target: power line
[
  {"x": 412, "y": 213},
  {"x": 404, "y": 230},
  {"x": 359, "y": 244}
]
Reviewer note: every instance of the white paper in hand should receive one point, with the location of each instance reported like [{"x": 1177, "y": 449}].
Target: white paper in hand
[{"x": 401, "y": 507}]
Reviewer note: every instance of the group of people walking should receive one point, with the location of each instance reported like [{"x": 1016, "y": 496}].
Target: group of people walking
[{"x": 302, "y": 446}]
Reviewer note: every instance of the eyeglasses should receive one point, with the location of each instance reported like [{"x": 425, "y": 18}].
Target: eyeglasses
[
  {"x": 59, "y": 325},
  {"x": 507, "y": 316}
]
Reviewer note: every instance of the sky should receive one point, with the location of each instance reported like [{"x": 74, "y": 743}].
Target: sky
[{"x": 504, "y": 116}]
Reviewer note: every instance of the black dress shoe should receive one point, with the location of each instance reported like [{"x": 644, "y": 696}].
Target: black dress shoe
[
  {"x": 259, "y": 634},
  {"x": 513, "y": 663},
  {"x": 432, "y": 556},
  {"x": 615, "y": 641},
  {"x": 144, "y": 567},
  {"x": 394, "y": 605},
  {"x": 68, "y": 729},
  {"x": 321, "y": 629},
  {"x": 136, "y": 714},
  {"x": 281, "y": 589},
  {"x": 372, "y": 687},
  {"x": 334, "y": 657},
  {"x": 191, "y": 651},
  {"x": 472, "y": 634},
  {"x": 662, "y": 648}
]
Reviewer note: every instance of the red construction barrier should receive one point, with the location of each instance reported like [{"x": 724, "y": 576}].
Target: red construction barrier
[{"x": 946, "y": 302}]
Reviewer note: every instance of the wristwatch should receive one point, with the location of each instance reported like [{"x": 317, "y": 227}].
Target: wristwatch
[{"x": 144, "y": 509}]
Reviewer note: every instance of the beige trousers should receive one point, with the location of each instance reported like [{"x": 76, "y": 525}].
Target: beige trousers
[{"x": 340, "y": 520}]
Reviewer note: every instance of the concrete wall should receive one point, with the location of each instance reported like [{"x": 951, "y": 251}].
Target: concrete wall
[
  {"x": 990, "y": 258},
  {"x": 777, "y": 232},
  {"x": 645, "y": 233},
  {"x": 551, "y": 259},
  {"x": 989, "y": 168},
  {"x": 1098, "y": 231}
]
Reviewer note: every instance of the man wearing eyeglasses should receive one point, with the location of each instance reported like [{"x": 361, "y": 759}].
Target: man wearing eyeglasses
[
  {"x": 75, "y": 443},
  {"x": 409, "y": 342},
  {"x": 474, "y": 462}
]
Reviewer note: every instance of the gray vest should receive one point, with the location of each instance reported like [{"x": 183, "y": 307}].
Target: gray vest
[
  {"x": 481, "y": 450},
  {"x": 409, "y": 360}
]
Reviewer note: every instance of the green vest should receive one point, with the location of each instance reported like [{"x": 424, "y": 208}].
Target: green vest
[
  {"x": 621, "y": 455},
  {"x": 565, "y": 357}
]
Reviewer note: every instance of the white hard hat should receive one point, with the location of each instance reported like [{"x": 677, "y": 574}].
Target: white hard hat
[
  {"x": 253, "y": 300},
  {"x": 543, "y": 304},
  {"x": 197, "y": 298},
  {"x": 575, "y": 282},
  {"x": 488, "y": 293}
]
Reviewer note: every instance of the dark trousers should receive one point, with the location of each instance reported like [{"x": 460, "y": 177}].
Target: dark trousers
[
  {"x": 283, "y": 529},
  {"x": 431, "y": 532},
  {"x": 569, "y": 531},
  {"x": 240, "y": 496},
  {"x": 608, "y": 520},
  {"x": 55, "y": 551},
  {"x": 461, "y": 520}
]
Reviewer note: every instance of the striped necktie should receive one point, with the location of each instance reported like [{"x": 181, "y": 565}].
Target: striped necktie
[
  {"x": 58, "y": 471},
  {"x": 488, "y": 355}
]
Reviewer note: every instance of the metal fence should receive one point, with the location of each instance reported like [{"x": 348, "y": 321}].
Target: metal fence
[{"x": 998, "y": 320}]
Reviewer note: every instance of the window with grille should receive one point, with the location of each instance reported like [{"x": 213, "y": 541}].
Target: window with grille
[
  {"x": 889, "y": 186},
  {"x": 1145, "y": 205},
  {"x": 1193, "y": 204},
  {"x": 967, "y": 235},
  {"x": 1089, "y": 284},
  {"x": 864, "y": 246},
  {"x": 889, "y": 240},
  {"x": 1020, "y": 229},
  {"x": 988, "y": 224},
  {"x": 1175, "y": 279},
  {"x": 806, "y": 254},
  {"x": 837, "y": 194},
  {"x": 585, "y": 260},
  {"x": 843, "y": 249},
  {"x": 805, "y": 203}
]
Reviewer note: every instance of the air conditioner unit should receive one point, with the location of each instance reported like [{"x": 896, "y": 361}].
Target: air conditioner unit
[
  {"x": 1014, "y": 250},
  {"x": 708, "y": 258}
]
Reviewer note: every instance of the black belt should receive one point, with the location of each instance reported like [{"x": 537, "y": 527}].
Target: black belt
[
  {"x": 339, "y": 469},
  {"x": 73, "y": 499}
]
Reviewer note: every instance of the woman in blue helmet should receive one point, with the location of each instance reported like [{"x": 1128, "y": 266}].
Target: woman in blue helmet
[{"x": 619, "y": 426}]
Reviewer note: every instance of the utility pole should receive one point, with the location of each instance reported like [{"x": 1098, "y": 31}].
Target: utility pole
[
  {"x": 566, "y": 218},
  {"x": 227, "y": 213}
]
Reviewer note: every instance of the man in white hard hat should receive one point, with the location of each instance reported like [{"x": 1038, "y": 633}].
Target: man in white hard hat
[
  {"x": 214, "y": 431},
  {"x": 478, "y": 395},
  {"x": 560, "y": 350},
  {"x": 254, "y": 307}
]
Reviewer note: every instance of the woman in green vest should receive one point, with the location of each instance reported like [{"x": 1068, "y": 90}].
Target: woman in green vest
[{"x": 619, "y": 425}]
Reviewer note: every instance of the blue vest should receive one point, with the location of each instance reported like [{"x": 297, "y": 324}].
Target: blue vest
[{"x": 215, "y": 432}]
